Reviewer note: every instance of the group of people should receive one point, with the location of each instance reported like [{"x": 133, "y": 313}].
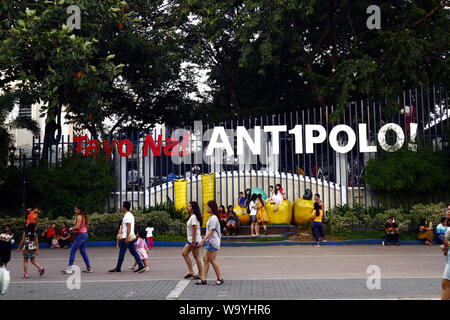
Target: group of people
[{"x": 424, "y": 233}]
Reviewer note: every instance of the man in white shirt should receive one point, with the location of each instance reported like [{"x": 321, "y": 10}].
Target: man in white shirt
[{"x": 128, "y": 240}]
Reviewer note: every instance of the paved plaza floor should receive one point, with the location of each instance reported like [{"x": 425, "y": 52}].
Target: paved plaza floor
[{"x": 279, "y": 272}]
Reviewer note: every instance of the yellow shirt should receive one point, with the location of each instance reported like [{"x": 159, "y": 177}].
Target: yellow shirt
[{"x": 319, "y": 217}]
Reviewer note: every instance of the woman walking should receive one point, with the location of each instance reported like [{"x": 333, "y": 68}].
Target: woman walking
[
  {"x": 317, "y": 216},
  {"x": 212, "y": 244},
  {"x": 193, "y": 238},
  {"x": 81, "y": 226},
  {"x": 446, "y": 277}
]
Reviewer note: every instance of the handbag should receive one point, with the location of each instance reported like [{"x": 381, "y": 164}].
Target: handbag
[
  {"x": 55, "y": 243},
  {"x": 132, "y": 237}
]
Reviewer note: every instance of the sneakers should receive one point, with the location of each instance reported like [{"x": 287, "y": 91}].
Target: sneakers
[
  {"x": 88, "y": 271},
  {"x": 324, "y": 240},
  {"x": 317, "y": 246},
  {"x": 131, "y": 267},
  {"x": 67, "y": 270},
  {"x": 25, "y": 275},
  {"x": 41, "y": 271},
  {"x": 140, "y": 270},
  {"x": 146, "y": 269},
  {"x": 114, "y": 271}
]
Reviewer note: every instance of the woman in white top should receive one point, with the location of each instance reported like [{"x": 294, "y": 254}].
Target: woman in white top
[
  {"x": 212, "y": 244},
  {"x": 254, "y": 228},
  {"x": 193, "y": 238},
  {"x": 277, "y": 198}
]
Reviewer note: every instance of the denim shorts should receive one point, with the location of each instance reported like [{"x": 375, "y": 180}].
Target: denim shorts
[
  {"x": 210, "y": 248},
  {"x": 447, "y": 267},
  {"x": 253, "y": 218},
  {"x": 189, "y": 243}
]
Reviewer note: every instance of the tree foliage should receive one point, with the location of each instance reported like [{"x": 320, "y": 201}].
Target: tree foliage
[
  {"x": 76, "y": 180},
  {"x": 408, "y": 177}
]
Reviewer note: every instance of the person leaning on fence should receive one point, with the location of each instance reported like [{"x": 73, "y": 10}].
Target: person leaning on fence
[
  {"x": 317, "y": 226},
  {"x": 392, "y": 232},
  {"x": 426, "y": 232}
]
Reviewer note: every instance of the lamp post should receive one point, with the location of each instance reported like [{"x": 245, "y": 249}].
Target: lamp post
[
  {"x": 12, "y": 152},
  {"x": 23, "y": 209}
]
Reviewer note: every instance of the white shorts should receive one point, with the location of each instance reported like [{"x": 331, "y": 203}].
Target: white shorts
[{"x": 447, "y": 267}]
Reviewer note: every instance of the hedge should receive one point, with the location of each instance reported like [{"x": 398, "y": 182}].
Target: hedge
[
  {"x": 345, "y": 218},
  {"x": 106, "y": 224}
]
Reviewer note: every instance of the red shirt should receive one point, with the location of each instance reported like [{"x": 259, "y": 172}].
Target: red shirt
[
  {"x": 223, "y": 215},
  {"x": 50, "y": 233}
]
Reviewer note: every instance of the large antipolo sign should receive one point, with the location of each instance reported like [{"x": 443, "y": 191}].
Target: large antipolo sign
[{"x": 252, "y": 140}]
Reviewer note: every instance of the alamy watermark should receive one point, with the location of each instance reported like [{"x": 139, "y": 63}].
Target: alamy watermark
[
  {"x": 374, "y": 280},
  {"x": 73, "y": 282},
  {"x": 74, "y": 20}
]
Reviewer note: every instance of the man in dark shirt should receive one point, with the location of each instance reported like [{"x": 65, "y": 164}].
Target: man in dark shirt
[{"x": 392, "y": 233}]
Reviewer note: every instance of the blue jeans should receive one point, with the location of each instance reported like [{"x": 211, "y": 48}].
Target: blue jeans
[
  {"x": 318, "y": 230},
  {"x": 79, "y": 243},
  {"x": 441, "y": 238},
  {"x": 123, "y": 248}
]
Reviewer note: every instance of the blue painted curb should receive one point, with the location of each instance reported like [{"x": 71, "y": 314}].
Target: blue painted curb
[{"x": 257, "y": 244}]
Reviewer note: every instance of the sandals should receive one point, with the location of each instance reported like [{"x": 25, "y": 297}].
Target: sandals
[
  {"x": 218, "y": 282},
  {"x": 189, "y": 276},
  {"x": 201, "y": 282},
  {"x": 25, "y": 275}
]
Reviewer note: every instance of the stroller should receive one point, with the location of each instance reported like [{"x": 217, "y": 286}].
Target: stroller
[{"x": 5, "y": 256}]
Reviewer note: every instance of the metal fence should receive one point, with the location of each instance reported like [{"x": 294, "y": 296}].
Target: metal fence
[{"x": 146, "y": 181}]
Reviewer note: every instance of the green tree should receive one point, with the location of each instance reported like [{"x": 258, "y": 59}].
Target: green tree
[
  {"x": 275, "y": 55},
  {"x": 76, "y": 180},
  {"x": 407, "y": 177},
  {"x": 122, "y": 65}
]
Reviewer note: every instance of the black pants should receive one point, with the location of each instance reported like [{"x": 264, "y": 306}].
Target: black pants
[
  {"x": 5, "y": 252},
  {"x": 63, "y": 243},
  {"x": 392, "y": 237}
]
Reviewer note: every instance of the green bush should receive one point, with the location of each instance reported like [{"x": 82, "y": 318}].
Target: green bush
[
  {"x": 105, "y": 225},
  {"x": 75, "y": 180},
  {"x": 407, "y": 177},
  {"x": 346, "y": 218}
]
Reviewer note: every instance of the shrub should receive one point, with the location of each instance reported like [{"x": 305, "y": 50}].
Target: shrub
[
  {"x": 408, "y": 177},
  {"x": 76, "y": 180},
  {"x": 106, "y": 224}
]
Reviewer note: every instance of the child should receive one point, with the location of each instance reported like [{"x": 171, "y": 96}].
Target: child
[
  {"x": 142, "y": 250},
  {"x": 32, "y": 216},
  {"x": 261, "y": 214},
  {"x": 149, "y": 230},
  {"x": 280, "y": 190},
  {"x": 241, "y": 200},
  {"x": 30, "y": 243},
  {"x": 277, "y": 198},
  {"x": 5, "y": 255},
  {"x": 119, "y": 233}
]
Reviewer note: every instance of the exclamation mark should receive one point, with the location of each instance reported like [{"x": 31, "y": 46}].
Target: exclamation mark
[{"x": 186, "y": 137}]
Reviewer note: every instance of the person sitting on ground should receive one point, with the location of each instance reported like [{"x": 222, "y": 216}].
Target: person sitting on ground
[
  {"x": 241, "y": 200},
  {"x": 64, "y": 236},
  {"x": 49, "y": 234},
  {"x": 223, "y": 217},
  {"x": 425, "y": 232},
  {"x": 441, "y": 229},
  {"x": 392, "y": 232},
  {"x": 233, "y": 222}
]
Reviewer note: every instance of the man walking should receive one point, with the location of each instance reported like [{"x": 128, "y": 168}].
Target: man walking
[{"x": 128, "y": 240}]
